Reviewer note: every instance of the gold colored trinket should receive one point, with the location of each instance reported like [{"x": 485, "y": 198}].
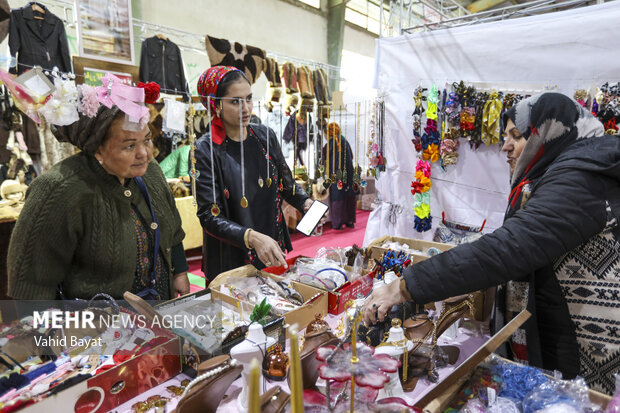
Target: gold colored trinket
[
  {"x": 340, "y": 185},
  {"x": 176, "y": 390},
  {"x": 268, "y": 182},
  {"x": 260, "y": 182},
  {"x": 244, "y": 202},
  {"x": 185, "y": 382},
  {"x": 317, "y": 325},
  {"x": 215, "y": 210}
]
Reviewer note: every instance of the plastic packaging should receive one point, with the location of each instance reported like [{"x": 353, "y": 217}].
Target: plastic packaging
[
  {"x": 559, "y": 396},
  {"x": 326, "y": 271}
]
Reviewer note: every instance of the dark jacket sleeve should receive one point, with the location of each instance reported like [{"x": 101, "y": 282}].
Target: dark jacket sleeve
[
  {"x": 563, "y": 212},
  {"x": 144, "y": 63},
  {"x": 65, "y": 54},
  {"x": 182, "y": 78},
  {"x": 219, "y": 226},
  {"x": 296, "y": 197},
  {"x": 14, "y": 40}
]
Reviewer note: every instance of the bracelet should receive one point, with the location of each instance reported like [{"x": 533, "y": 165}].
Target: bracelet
[
  {"x": 344, "y": 274},
  {"x": 246, "y": 238},
  {"x": 314, "y": 277}
]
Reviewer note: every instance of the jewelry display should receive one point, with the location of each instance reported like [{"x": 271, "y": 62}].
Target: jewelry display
[
  {"x": 396, "y": 345},
  {"x": 215, "y": 210},
  {"x": 268, "y": 179},
  {"x": 253, "y": 347},
  {"x": 205, "y": 376},
  {"x": 244, "y": 200},
  {"x": 261, "y": 182}
]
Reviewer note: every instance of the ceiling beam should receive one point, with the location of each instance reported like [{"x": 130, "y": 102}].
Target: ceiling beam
[{"x": 482, "y": 5}]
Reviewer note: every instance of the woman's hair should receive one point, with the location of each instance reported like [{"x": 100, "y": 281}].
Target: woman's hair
[{"x": 229, "y": 79}]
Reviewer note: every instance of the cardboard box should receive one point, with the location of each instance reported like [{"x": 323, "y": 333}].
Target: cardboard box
[
  {"x": 440, "y": 396},
  {"x": 377, "y": 250},
  {"x": 338, "y": 298},
  {"x": 273, "y": 328},
  {"x": 111, "y": 388},
  {"x": 483, "y": 299},
  {"x": 300, "y": 316}
]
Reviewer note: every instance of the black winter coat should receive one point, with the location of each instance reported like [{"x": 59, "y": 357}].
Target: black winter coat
[
  {"x": 566, "y": 208},
  {"x": 161, "y": 62},
  {"x": 223, "y": 245},
  {"x": 38, "y": 42}
]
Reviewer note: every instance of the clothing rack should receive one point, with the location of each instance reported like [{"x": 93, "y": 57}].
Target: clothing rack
[{"x": 194, "y": 42}]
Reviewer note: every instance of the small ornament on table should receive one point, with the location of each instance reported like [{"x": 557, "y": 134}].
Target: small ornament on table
[
  {"x": 275, "y": 364},
  {"x": 317, "y": 325}
]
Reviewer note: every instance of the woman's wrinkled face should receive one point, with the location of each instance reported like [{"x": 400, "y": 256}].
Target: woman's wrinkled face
[
  {"x": 125, "y": 154},
  {"x": 513, "y": 145},
  {"x": 238, "y": 99}
]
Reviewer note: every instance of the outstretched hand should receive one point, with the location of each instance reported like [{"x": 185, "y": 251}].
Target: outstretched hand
[{"x": 380, "y": 301}]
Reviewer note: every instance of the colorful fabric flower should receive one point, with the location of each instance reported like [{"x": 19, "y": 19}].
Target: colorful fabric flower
[
  {"x": 417, "y": 143},
  {"x": 88, "y": 104},
  {"x": 422, "y": 210},
  {"x": 431, "y": 153},
  {"x": 424, "y": 167},
  {"x": 416, "y": 187},
  {"x": 151, "y": 91},
  {"x": 62, "y": 108},
  {"x": 423, "y": 224},
  {"x": 421, "y": 198}
]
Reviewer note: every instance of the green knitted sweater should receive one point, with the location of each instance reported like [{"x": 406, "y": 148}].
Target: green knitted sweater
[{"x": 76, "y": 229}]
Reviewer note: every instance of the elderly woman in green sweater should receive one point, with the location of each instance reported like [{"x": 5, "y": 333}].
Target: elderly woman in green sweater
[{"x": 101, "y": 221}]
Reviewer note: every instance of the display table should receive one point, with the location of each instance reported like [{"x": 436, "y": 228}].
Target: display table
[{"x": 467, "y": 342}]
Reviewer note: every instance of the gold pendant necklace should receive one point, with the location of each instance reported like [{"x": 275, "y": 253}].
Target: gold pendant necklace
[
  {"x": 244, "y": 200},
  {"x": 215, "y": 210}
]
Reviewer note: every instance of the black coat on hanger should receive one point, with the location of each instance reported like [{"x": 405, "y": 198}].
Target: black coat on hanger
[
  {"x": 40, "y": 42},
  {"x": 161, "y": 62}
]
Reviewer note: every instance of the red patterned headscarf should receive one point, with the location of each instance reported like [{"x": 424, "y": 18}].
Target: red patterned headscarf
[{"x": 207, "y": 87}]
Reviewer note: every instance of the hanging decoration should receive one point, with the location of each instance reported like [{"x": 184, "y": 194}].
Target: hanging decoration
[
  {"x": 430, "y": 141},
  {"x": 449, "y": 147},
  {"x": 376, "y": 144},
  {"x": 421, "y": 196},
  {"x": 490, "y": 120}
]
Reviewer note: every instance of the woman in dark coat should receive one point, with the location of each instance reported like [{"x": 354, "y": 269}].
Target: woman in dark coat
[
  {"x": 341, "y": 194},
  {"x": 240, "y": 226},
  {"x": 557, "y": 253}
]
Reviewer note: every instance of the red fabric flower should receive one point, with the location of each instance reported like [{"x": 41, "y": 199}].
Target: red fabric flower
[
  {"x": 417, "y": 143},
  {"x": 416, "y": 187},
  {"x": 151, "y": 91}
]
